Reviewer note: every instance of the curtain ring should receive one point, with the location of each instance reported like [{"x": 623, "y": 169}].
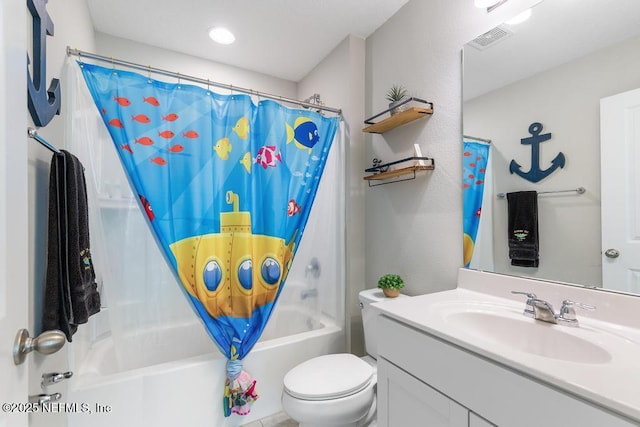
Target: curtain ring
[
  {"x": 178, "y": 73},
  {"x": 208, "y": 87},
  {"x": 149, "y": 73},
  {"x": 113, "y": 65}
]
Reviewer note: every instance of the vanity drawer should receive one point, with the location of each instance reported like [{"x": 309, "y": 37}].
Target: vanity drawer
[{"x": 497, "y": 393}]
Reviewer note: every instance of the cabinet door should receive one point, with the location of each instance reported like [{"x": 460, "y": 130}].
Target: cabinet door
[
  {"x": 476, "y": 421},
  {"x": 406, "y": 401}
]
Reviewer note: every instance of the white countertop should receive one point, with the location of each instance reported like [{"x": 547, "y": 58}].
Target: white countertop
[{"x": 613, "y": 383}]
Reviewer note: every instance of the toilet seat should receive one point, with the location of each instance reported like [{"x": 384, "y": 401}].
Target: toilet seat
[{"x": 332, "y": 376}]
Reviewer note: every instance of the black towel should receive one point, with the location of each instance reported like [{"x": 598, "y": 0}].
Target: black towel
[
  {"x": 70, "y": 293},
  {"x": 523, "y": 228}
]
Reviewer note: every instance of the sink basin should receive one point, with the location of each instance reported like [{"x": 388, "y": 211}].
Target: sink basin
[{"x": 528, "y": 335}]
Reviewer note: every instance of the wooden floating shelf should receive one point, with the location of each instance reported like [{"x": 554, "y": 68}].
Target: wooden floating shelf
[
  {"x": 399, "y": 119},
  {"x": 398, "y": 172},
  {"x": 382, "y": 172},
  {"x": 416, "y": 108}
]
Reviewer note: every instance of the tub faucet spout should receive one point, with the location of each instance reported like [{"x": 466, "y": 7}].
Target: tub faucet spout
[{"x": 308, "y": 293}]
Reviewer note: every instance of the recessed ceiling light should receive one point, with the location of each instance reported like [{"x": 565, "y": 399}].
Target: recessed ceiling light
[{"x": 221, "y": 35}]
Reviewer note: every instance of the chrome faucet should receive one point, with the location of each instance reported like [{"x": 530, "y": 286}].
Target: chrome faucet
[
  {"x": 542, "y": 310},
  {"x": 539, "y": 309},
  {"x": 568, "y": 313}
]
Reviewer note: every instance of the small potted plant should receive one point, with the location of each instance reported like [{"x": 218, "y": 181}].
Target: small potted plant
[
  {"x": 395, "y": 96},
  {"x": 391, "y": 285}
]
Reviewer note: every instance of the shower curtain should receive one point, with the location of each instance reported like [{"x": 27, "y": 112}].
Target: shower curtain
[
  {"x": 475, "y": 158},
  {"x": 226, "y": 187}
]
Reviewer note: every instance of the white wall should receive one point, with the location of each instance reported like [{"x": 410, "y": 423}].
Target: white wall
[
  {"x": 190, "y": 65},
  {"x": 338, "y": 79},
  {"x": 414, "y": 228},
  {"x": 565, "y": 100}
]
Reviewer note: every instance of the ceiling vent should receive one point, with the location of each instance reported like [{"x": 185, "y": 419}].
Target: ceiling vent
[{"x": 491, "y": 37}]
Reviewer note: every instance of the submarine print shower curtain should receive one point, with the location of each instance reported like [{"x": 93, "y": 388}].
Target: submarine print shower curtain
[{"x": 226, "y": 186}]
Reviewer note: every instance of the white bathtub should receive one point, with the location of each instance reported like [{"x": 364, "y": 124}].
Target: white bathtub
[{"x": 187, "y": 391}]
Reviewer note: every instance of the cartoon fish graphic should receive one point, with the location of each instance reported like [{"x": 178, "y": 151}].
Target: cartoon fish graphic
[
  {"x": 123, "y": 102},
  {"x": 159, "y": 161},
  {"x": 177, "y": 148},
  {"x": 104, "y": 111},
  {"x": 190, "y": 134},
  {"x": 151, "y": 100},
  {"x": 127, "y": 147},
  {"x": 479, "y": 212},
  {"x": 267, "y": 156},
  {"x": 147, "y": 207},
  {"x": 116, "y": 123},
  {"x": 246, "y": 161},
  {"x": 242, "y": 127},
  {"x": 166, "y": 134},
  {"x": 293, "y": 208},
  {"x": 141, "y": 118},
  {"x": 145, "y": 140},
  {"x": 172, "y": 117},
  {"x": 223, "y": 148},
  {"x": 304, "y": 133}
]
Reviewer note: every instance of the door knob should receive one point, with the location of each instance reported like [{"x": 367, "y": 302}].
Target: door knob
[
  {"x": 611, "y": 253},
  {"x": 47, "y": 342}
]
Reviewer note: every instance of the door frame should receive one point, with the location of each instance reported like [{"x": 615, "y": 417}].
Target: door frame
[{"x": 14, "y": 289}]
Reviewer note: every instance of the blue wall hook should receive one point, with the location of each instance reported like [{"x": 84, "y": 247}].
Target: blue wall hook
[{"x": 536, "y": 174}]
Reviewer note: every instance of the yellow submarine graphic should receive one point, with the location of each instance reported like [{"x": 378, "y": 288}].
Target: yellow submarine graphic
[{"x": 235, "y": 271}]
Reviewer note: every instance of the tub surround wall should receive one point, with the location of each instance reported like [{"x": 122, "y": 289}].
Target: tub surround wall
[{"x": 415, "y": 228}]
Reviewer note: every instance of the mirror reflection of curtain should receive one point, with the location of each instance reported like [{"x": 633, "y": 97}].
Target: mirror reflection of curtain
[{"x": 477, "y": 204}]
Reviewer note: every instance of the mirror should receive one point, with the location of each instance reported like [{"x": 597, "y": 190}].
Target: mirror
[{"x": 552, "y": 69}]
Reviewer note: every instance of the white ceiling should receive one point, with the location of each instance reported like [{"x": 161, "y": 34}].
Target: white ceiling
[
  {"x": 281, "y": 38},
  {"x": 558, "y": 32}
]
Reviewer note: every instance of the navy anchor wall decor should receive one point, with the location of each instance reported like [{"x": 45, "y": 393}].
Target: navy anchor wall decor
[
  {"x": 536, "y": 174},
  {"x": 43, "y": 105}
]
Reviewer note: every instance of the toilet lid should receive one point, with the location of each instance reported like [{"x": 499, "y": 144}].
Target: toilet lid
[{"x": 328, "y": 377}]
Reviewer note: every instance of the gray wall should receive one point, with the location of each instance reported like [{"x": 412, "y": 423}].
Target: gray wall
[
  {"x": 415, "y": 228},
  {"x": 338, "y": 78}
]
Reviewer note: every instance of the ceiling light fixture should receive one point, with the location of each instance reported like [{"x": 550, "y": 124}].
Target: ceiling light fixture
[
  {"x": 221, "y": 35},
  {"x": 520, "y": 18}
]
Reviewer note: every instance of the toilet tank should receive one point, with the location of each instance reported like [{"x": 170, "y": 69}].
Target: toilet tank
[{"x": 370, "y": 318}]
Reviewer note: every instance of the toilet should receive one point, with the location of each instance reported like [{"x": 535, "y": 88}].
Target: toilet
[{"x": 337, "y": 389}]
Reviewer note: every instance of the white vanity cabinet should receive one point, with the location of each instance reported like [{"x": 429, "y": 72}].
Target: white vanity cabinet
[
  {"x": 404, "y": 400},
  {"x": 427, "y": 381}
]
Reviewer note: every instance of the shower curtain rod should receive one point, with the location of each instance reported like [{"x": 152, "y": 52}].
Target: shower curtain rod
[
  {"x": 179, "y": 76},
  {"x": 488, "y": 141}
]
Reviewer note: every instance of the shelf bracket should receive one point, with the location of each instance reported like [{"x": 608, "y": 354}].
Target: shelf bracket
[{"x": 394, "y": 181}]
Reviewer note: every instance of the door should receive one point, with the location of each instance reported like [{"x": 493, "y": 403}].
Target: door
[
  {"x": 620, "y": 168},
  {"x": 13, "y": 208}
]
